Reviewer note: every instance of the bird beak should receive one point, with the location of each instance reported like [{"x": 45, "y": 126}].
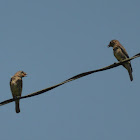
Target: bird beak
[
  {"x": 25, "y": 75},
  {"x": 108, "y": 46}
]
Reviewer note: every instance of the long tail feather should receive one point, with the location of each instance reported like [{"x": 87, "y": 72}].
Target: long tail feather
[{"x": 17, "y": 106}]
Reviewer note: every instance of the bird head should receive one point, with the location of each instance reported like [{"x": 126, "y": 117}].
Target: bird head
[
  {"x": 113, "y": 42},
  {"x": 21, "y": 74}
]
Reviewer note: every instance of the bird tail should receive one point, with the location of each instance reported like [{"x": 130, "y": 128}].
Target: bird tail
[
  {"x": 130, "y": 74},
  {"x": 17, "y": 106},
  {"x": 129, "y": 69}
]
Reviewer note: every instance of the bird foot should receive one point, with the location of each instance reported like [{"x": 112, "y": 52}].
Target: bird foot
[{"x": 115, "y": 63}]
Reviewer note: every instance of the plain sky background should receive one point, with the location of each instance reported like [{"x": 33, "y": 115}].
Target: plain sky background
[{"x": 53, "y": 40}]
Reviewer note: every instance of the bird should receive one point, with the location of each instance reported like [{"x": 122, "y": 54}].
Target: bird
[
  {"x": 121, "y": 54},
  {"x": 16, "y": 87}
]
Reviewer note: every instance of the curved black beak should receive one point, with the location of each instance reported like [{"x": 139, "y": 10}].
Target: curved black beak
[
  {"x": 109, "y": 45},
  {"x": 25, "y": 75}
]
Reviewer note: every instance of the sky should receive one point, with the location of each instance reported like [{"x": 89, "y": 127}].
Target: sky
[{"x": 54, "y": 40}]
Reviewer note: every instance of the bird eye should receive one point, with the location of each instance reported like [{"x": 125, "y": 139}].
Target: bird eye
[{"x": 22, "y": 72}]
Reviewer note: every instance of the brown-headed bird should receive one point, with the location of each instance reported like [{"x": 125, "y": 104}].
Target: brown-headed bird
[
  {"x": 121, "y": 54},
  {"x": 16, "y": 87}
]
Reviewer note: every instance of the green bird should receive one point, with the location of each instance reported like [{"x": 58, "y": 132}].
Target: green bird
[
  {"x": 16, "y": 87},
  {"x": 121, "y": 54}
]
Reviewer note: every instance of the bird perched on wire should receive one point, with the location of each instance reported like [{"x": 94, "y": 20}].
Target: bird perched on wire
[
  {"x": 121, "y": 54},
  {"x": 16, "y": 87}
]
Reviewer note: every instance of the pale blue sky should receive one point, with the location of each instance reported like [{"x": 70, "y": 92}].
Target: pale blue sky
[{"x": 54, "y": 40}]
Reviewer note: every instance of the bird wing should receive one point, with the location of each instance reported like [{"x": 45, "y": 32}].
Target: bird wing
[
  {"x": 124, "y": 51},
  {"x": 126, "y": 54},
  {"x": 16, "y": 86}
]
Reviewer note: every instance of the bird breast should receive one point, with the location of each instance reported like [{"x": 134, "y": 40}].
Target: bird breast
[{"x": 119, "y": 54}]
